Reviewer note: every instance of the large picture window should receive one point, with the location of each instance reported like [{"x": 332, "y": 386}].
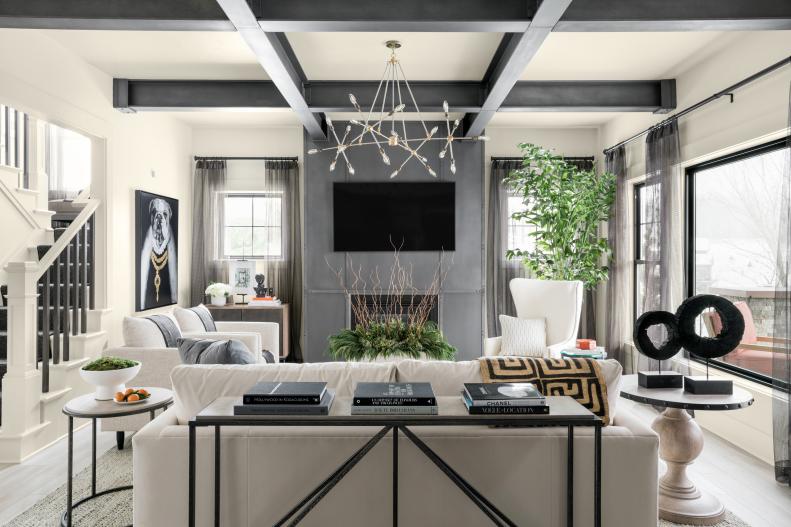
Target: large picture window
[
  {"x": 252, "y": 225},
  {"x": 733, "y": 211}
]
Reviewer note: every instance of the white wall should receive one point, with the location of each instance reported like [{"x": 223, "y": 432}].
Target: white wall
[
  {"x": 758, "y": 114},
  {"x": 41, "y": 77}
]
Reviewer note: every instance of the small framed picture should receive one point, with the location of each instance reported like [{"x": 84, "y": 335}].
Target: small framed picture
[{"x": 242, "y": 277}]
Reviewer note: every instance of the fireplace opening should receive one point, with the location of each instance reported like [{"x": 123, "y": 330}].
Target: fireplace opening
[{"x": 390, "y": 306}]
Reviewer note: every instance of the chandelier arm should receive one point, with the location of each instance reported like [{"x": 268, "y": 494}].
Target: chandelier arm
[
  {"x": 376, "y": 96},
  {"x": 392, "y": 99},
  {"x": 403, "y": 121},
  {"x": 384, "y": 97},
  {"x": 412, "y": 96}
]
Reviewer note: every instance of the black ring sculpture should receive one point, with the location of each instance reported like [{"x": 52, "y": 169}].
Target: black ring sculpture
[
  {"x": 710, "y": 347},
  {"x": 644, "y": 343}
]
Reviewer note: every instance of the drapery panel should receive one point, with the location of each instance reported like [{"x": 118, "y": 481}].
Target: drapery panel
[
  {"x": 619, "y": 312},
  {"x": 210, "y": 178}
]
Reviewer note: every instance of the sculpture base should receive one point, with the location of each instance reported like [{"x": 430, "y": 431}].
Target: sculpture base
[
  {"x": 700, "y": 385},
  {"x": 659, "y": 379}
]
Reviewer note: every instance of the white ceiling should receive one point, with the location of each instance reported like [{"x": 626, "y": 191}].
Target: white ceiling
[{"x": 240, "y": 119}]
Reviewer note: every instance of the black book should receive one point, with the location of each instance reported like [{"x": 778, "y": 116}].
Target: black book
[
  {"x": 323, "y": 408},
  {"x": 503, "y": 394},
  {"x": 285, "y": 393},
  {"x": 394, "y": 394},
  {"x": 542, "y": 409}
]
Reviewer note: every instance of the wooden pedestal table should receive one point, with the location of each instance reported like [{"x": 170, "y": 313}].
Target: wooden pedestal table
[{"x": 680, "y": 443}]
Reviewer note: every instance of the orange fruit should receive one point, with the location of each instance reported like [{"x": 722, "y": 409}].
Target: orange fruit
[
  {"x": 132, "y": 398},
  {"x": 142, "y": 391},
  {"x": 119, "y": 396},
  {"x": 129, "y": 391}
]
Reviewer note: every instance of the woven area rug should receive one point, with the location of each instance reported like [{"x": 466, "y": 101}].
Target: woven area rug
[{"x": 113, "y": 510}]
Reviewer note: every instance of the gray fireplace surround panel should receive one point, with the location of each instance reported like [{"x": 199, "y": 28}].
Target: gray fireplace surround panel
[{"x": 462, "y": 295}]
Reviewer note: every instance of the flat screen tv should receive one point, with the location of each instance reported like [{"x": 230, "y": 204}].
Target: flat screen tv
[{"x": 413, "y": 216}]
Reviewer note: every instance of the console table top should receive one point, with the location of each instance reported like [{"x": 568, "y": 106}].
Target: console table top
[
  {"x": 563, "y": 411},
  {"x": 247, "y": 306},
  {"x": 678, "y": 398}
]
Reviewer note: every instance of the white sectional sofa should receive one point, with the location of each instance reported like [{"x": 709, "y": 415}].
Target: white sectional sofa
[{"x": 265, "y": 471}]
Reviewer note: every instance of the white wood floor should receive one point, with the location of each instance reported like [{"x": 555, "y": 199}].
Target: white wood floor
[{"x": 744, "y": 483}]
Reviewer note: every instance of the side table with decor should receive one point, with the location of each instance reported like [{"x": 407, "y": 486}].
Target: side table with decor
[
  {"x": 680, "y": 443},
  {"x": 248, "y": 313},
  {"x": 88, "y": 407}
]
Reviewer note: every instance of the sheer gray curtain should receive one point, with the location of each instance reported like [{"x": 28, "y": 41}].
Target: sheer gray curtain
[
  {"x": 588, "y": 315},
  {"x": 210, "y": 178},
  {"x": 499, "y": 270},
  {"x": 661, "y": 238},
  {"x": 285, "y": 274},
  {"x": 781, "y": 356},
  {"x": 619, "y": 312}
]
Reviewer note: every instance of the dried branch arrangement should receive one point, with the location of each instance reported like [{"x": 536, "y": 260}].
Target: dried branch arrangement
[{"x": 396, "y": 320}]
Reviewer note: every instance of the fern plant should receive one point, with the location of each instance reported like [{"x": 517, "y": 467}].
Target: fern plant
[
  {"x": 392, "y": 338},
  {"x": 566, "y": 205}
]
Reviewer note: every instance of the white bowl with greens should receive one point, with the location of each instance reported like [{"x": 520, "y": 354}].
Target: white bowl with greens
[{"x": 109, "y": 375}]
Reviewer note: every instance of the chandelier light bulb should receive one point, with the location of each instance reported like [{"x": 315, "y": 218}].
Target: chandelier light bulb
[
  {"x": 399, "y": 108},
  {"x": 442, "y": 154},
  {"x": 431, "y": 171},
  {"x": 351, "y": 170},
  {"x": 393, "y": 174},
  {"x": 313, "y": 151},
  {"x": 433, "y": 131},
  {"x": 353, "y": 99},
  {"x": 332, "y": 166},
  {"x": 385, "y": 159},
  {"x": 445, "y": 106},
  {"x": 453, "y": 167},
  {"x": 482, "y": 138}
]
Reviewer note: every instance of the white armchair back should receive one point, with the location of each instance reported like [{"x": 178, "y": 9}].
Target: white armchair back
[{"x": 557, "y": 301}]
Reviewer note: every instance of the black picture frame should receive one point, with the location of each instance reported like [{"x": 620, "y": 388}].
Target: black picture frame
[{"x": 156, "y": 250}]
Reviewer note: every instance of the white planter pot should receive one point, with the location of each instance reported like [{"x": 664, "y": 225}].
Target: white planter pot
[
  {"x": 109, "y": 382},
  {"x": 218, "y": 301}
]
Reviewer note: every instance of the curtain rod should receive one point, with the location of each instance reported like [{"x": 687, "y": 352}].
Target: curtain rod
[
  {"x": 727, "y": 91},
  {"x": 208, "y": 158},
  {"x": 572, "y": 158}
]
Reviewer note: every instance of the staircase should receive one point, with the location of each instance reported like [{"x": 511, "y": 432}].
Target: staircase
[{"x": 49, "y": 328}]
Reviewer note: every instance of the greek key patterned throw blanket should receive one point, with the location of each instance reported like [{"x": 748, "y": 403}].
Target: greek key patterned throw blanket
[{"x": 580, "y": 378}]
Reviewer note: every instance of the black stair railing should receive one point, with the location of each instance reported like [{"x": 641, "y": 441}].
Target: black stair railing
[{"x": 66, "y": 293}]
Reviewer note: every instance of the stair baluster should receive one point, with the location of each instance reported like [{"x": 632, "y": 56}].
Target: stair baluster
[
  {"x": 75, "y": 315},
  {"x": 45, "y": 331},
  {"x": 57, "y": 313},
  {"x": 92, "y": 260},
  {"x": 84, "y": 281},
  {"x": 66, "y": 302}
]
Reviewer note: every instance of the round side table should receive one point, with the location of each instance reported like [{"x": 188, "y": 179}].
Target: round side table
[
  {"x": 680, "y": 443},
  {"x": 87, "y": 407}
]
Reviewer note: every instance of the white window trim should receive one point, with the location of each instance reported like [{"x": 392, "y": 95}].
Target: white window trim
[{"x": 221, "y": 226}]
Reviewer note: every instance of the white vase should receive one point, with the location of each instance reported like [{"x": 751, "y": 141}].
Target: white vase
[
  {"x": 218, "y": 301},
  {"x": 110, "y": 381}
]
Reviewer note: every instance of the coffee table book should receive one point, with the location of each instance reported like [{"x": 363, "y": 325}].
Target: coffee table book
[
  {"x": 394, "y": 394},
  {"x": 539, "y": 409},
  {"x": 503, "y": 394},
  {"x": 285, "y": 393},
  {"x": 323, "y": 408}
]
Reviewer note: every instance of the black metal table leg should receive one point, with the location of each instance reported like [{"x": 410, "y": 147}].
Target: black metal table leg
[
  {"x": 216, "y": 476},
  {"x": 191, "y": 499},
  {"x": 597, "y": 475},
  {"x": 492, "y": 512},
  {"x": 570, "y": 478},
  {"x": 395, "y": 476},
  {"x": 69, "y": 476},
  {"x": 317, "y": 494},
  {"x": 93, "y": 457}
]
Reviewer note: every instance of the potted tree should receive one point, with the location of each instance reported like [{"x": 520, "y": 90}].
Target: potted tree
[{"x": 566, "y": 206}]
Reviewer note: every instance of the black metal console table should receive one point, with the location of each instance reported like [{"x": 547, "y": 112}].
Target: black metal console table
[
  {"x": 87, "y": 407},
  {"x": 564, "y": 412}
]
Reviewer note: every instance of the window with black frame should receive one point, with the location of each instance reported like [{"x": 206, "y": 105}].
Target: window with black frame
[
  {"x": 252, "y": 225},
  {"x": 733, "y": 211}
]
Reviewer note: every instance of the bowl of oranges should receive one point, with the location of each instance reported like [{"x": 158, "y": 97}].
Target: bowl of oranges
[{"x": 131, "y": 396}]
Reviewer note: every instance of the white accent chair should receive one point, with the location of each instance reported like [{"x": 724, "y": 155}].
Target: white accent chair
[{"x": 559, "y": 302}]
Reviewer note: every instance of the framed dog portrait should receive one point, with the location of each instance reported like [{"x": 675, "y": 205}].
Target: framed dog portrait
[{"x": 156, "y": 250}]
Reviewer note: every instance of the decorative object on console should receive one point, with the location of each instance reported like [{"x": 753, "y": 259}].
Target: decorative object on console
[
  {"x": 206, "y": 351},
  {"x": 372, "y": 135},
  {"x": 681, "y": 332},
  {"x": 219, "y": 293},
  {"x": 581, "y": 379},
  {"x": 156, "y": 250},
  {"x": 260, "y": 289},
  {"x": 586, "y": 344},
  {"x": 241, "y": 277},
  {"x": 109, "y": 375},
  {"x": 503, "y": 398},
  {"x": 386, "y": 329},
  {"x": 525, "y": 337}
]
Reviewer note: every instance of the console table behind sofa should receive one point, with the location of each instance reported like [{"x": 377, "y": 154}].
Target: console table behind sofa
[{"x": 245, "y": 313}]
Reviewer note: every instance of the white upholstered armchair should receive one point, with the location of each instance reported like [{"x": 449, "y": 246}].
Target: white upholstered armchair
[{"x": 559, "y": 302}]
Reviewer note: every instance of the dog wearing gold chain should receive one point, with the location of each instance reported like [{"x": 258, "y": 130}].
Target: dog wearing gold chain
[{"x": 158, "y": 264}]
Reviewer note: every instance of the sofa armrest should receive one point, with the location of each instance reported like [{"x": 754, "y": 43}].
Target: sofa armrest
[
  {"x": 269, "y": 332},
  {"x": 156, "y": 364},
  {"x": 491, "y": 346},
  {"x": 627, "y": 419},
  {"x": 252, "y": 341}
]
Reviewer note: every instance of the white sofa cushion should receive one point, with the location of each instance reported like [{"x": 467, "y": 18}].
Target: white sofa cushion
[
  {"x": 447, "y": 377},
  {"x": 189, "y": 319},
  {"x": 140, "y": 332},
  {"x": 525, "y": 337},
  {"x": 197, "y": 386}
]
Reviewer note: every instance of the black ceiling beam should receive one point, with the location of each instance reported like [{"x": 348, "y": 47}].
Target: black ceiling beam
[
  {"x": 276, "y": 57},
  {"x": 510, "y": 62},
  {"x": 333, "y": 96},
  {"x": 676, "y": 15}
]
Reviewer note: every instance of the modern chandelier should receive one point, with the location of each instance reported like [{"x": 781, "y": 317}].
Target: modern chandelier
[{"x": 373, "y": 125}]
